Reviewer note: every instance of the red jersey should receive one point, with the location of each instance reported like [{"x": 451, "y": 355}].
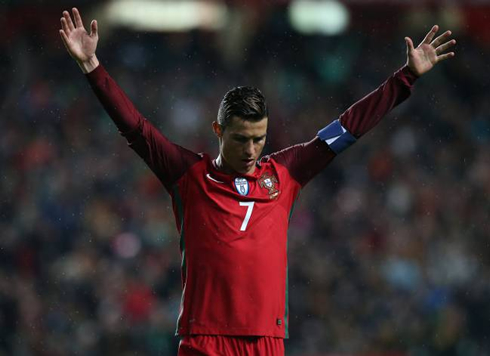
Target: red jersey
[{"x": 233, "y": 227}]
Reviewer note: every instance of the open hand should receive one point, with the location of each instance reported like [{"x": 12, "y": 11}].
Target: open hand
[
  {"x": 429, "y": 52},
  {"x": 80, "y": 44}
]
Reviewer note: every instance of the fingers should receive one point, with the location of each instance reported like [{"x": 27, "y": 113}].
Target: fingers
[
  {"x": 94, "y": 32},
  {"x": 409, "y": 43},
  {"x": 428, "y": 38},
  {"x": 445, "y": 56},
  {"x": 441, "y": 39},
  {"x": 442, "y": 48},
  {"x": 64, "y": 26},
  {"x": 64, "y": 38},
  {"x": 78, "y": 18},
  {"x": 69, "y": 22}
]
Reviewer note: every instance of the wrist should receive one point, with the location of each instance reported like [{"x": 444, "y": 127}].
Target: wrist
[
  {"x": 412, "y": 70},
  {"x": 408, "y": 74},
  {"x": 89, "y": 65}
]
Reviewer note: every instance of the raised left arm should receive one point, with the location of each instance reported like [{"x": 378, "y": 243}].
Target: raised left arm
[
  {"x": 368, "y": 112},
  {"x": 306, "y": 160}
]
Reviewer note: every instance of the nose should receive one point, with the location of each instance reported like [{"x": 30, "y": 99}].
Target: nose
[{"x": 250, "y": 149}]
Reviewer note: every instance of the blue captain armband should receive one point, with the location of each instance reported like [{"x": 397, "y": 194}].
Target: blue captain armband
[{"x": 336, "y": 137}]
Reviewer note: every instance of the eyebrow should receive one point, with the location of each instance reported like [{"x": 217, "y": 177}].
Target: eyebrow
[{"x": 235, "y": 135}]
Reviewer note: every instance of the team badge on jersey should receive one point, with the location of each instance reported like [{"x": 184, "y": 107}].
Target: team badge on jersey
[
  {"x": 241, "y": 185},
  {"x": 269, "y": 182}
]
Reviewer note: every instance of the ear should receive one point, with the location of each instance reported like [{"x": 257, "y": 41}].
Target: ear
[{"x": 217, "y": 129}]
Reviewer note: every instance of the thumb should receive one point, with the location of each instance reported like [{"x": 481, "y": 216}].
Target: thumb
[
  {"x": 409, "y": 43},
  {"x": 93, "y": 29}
]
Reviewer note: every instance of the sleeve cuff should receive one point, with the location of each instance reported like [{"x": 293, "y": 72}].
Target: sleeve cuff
[
  {"x": 407, "y": 75},
  {"x": 96, "y": 74}
]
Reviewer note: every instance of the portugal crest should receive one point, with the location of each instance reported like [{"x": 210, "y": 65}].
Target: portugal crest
[
  {"x": 241, "y": 185},
  {"x": 269, "y": 182}
]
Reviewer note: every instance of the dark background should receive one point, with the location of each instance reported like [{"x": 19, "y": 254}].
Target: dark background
[{"x": 388, "y": 247}]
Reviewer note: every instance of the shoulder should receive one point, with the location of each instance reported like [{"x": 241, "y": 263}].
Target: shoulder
[
  {"x": 313, "y": 149},
  {"x": 303, "y": 161}
]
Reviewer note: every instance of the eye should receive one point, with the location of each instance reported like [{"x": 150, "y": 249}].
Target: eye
[
  {"x": 240, "y": 139},
  {"x": 259, "y": 140}
]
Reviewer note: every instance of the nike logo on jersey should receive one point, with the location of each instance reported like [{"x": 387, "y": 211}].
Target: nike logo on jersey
[{"x": 214, "y": 180}]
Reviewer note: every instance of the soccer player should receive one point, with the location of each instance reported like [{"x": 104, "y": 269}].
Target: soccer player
[{"x": 232, "y": 212}]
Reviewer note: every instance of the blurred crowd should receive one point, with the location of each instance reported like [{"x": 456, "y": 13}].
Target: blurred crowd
[{"x": 388, "y": 247}]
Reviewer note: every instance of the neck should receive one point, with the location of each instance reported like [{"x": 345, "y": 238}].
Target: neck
[{"x": 222, "y": 166}]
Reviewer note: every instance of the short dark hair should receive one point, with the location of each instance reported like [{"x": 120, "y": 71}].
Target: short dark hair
[{"x": 247, "y": 103}]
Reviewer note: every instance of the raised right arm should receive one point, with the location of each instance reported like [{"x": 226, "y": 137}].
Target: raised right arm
[{"x": 166, "y": 159}]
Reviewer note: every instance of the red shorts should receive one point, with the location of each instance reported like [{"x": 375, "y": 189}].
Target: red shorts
[{"x": 219, "y": 345}]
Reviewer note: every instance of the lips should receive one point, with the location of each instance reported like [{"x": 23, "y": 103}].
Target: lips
[{"x": 248, "y": 162}]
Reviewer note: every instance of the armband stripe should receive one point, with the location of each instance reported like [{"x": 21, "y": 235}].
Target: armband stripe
[{"x": 336, "y": 137}]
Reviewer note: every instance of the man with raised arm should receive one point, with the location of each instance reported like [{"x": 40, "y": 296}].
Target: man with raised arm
[{"x": 232, "y": 212}]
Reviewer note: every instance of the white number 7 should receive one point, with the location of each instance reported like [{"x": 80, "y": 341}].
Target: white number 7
[{"x": 250, "y": 207}]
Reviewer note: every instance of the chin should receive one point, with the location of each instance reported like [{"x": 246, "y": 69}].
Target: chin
[{"x": 241, "y": 170}]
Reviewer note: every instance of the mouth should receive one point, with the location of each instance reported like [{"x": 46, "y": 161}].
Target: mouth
[{"x": 248, "y": 162}]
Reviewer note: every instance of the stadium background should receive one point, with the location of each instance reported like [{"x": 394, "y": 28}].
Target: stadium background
[{"x": 388, "y": 248}]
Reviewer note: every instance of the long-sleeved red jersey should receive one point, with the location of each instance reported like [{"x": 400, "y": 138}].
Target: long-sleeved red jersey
[{"x": 233, "y": 227}]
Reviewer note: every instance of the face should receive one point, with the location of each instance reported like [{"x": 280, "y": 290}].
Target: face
[{"x": 241, "y": 144}]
